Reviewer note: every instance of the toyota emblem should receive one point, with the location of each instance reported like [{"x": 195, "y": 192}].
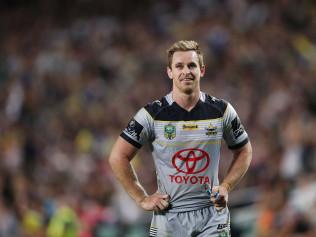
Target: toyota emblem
[{"x": 191, "y": 161}]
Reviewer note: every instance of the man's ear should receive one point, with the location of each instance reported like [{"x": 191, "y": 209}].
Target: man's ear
[
  {"x": 202, "y": 71},
  {"x": 169, "y": 72}
]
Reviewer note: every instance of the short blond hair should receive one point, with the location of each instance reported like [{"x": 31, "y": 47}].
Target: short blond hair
[{"x": 185, "y": 45}]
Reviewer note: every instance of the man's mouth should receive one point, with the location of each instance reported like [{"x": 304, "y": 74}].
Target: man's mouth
[{"x": 188, "y": 79}]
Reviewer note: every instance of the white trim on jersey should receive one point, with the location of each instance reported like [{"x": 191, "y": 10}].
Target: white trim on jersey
[{"x": 170, "y": 99}]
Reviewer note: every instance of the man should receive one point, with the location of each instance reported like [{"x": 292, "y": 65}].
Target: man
[{"x": 184, "y": 130}]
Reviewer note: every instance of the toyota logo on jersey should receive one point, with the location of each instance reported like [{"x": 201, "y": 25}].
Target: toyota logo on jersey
[{"x": 191, "y": 161}]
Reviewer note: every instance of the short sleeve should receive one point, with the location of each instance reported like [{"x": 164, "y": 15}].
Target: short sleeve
[
  {"x": 139, "y": 129},
  {"x": 234, "y": 132}
]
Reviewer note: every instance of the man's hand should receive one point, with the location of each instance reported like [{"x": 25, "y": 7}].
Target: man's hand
[
  {"x": 219, "y": 197},
  {"x": 155, "y": 202}
]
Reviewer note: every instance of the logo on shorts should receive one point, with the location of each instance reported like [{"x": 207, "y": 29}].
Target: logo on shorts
[
  {"x": 221, "y": 226},
  {"x": 191, "y": 161},
  {"x": 223, "y": 230},
  {"x": 170, "y": 131}
]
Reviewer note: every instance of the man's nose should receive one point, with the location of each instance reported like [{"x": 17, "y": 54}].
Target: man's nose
[{"x": 186, "y": 70}]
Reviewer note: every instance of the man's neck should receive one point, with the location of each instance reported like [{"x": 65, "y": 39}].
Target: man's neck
[{"x": 186, "y": 101}]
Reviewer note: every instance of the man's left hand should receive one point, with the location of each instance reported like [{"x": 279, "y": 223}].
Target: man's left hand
[{"x": 219, "y": 197}]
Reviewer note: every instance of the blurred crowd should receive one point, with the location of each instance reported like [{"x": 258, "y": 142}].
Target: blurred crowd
[{"x": 69, "y": 85}]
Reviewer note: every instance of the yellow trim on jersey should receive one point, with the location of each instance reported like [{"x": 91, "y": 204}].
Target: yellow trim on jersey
[
  {"x": 163, "y": 143},
  {"x": 188, "y": 121}
]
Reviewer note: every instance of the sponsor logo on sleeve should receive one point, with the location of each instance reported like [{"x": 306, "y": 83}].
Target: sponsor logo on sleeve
[
  {"x": 238, "y": 129},
  {"x": 134, "y": 129}
]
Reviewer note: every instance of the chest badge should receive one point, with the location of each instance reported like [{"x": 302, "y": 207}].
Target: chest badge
[
  {"x": 211, "y": 130},
  {"x": 170, "y": 131}
]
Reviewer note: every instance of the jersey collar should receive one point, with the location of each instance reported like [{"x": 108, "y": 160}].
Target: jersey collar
[{"x": 170, "y": 100}]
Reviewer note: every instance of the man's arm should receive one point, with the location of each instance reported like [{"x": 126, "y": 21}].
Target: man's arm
[
  {"x": 239, "y": 166},
  {"x": 120, "y": 157}
]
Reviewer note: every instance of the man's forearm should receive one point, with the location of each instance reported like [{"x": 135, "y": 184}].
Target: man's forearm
[
  {"x": 119, "y": 160},
  {"x": 238, "y": 168},
  {"x": 126, "y": 175}
]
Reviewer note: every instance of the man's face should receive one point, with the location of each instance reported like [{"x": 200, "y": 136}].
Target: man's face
[{"x": 185, "y": 71}]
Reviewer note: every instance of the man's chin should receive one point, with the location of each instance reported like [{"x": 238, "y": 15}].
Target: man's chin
[{"x": 188, "y": 90}]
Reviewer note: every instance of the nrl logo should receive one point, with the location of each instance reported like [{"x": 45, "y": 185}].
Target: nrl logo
[
  {"x": 170, "y": 131},
  {"x": 211, "y": 130}
]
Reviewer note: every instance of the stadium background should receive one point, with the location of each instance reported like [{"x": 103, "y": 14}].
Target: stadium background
[{"x": 72, "y": 73}]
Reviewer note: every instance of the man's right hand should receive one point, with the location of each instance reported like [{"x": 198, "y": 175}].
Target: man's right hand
[{"x": 155, "y": 202}]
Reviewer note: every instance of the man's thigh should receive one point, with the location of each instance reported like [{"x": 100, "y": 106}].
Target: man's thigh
[
  {"x": 218, "y": 225},
  {"x": 164, "y": 225}
]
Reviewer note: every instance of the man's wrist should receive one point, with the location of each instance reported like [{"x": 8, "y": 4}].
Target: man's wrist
[
  {"x": 227, "y": 186},
  {"x": 140, "y": 200}
]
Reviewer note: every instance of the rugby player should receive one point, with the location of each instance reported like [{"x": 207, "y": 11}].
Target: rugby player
[{"x": 184, "y": 129}]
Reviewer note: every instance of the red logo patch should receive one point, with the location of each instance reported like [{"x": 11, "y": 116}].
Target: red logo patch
[{"x": 191, "y": 161}]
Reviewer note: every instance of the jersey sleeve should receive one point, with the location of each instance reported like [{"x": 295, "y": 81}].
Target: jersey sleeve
[
  {"x": 139, "y": 129},
  {"x": 234, "y": 132}
]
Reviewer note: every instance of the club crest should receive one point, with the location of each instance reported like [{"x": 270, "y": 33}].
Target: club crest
[
  {"x": 211, "y": 130},
  {"x": 170, "y": 131}
]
